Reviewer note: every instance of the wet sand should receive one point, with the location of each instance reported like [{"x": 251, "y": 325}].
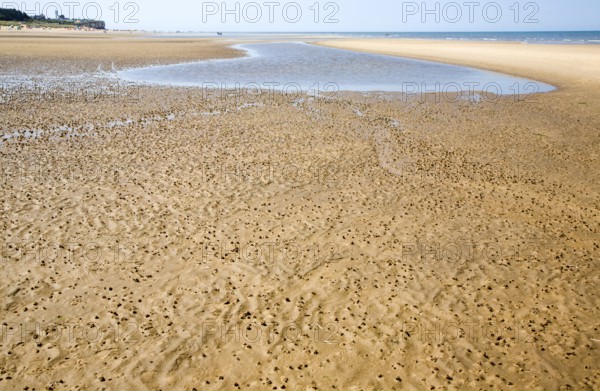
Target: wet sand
[{"x": 163, "y": 238}]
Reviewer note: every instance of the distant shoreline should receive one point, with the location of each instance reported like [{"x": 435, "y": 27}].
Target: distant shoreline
[{"x": 524, "y": 37}]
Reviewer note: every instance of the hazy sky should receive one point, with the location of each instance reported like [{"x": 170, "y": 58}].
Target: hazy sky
[{"x": 324, "y": 16}]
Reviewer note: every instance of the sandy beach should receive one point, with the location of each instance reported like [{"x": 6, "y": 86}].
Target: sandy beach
[{"x": 165, "y": 238}]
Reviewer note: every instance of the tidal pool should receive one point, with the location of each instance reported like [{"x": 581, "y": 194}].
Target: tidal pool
[{"x": 293, "y": 66}]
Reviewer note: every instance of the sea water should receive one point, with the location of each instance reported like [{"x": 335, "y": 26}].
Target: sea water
[{"x": 288, "y": 66}]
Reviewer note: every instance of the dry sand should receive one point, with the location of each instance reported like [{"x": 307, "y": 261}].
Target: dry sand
[
  {"x": 566, "y": 65},
  {"x": 164, "y": 239}
]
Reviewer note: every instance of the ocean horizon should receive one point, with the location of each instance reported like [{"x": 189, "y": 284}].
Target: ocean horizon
[{"x": 539, "y": 37}]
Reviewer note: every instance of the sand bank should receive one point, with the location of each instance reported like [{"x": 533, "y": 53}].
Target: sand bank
[
  {"x": 569, "y": 66},
  {"x": 77, "y": 52}
]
